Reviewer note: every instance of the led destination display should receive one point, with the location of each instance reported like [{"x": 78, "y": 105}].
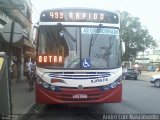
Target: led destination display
[{"x": 78, "y": 15}]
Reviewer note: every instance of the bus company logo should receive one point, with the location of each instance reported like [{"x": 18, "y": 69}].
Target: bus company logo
[
  {"x": 80, "y": 87},
  {"x": 99, "y": 80}
]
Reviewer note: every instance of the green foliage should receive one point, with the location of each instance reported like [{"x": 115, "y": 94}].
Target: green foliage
[{"x": 135, "y": 36}]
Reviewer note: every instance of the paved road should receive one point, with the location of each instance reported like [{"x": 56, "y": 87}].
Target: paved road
[{"x": 139, "y": 97}]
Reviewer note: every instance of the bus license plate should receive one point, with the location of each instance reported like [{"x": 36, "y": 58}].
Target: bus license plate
[{"x": 78, "y": 96}]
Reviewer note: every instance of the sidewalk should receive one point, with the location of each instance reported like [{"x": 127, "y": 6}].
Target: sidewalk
[
  {"x": 146, "y": 75},
  {"x": 22, "y": 99}
]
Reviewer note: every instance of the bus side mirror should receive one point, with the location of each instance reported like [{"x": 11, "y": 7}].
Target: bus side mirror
[
  {"x": 123, "y": 48},
  {"x": 35, "y": 26},
  {"x": 61, "y": 34}
]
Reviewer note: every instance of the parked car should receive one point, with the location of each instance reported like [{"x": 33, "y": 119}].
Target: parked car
[
  {"x": 130, "y": 73},
  {"x": 155, "y": 80},
  {"x": 151, "y": 68}
]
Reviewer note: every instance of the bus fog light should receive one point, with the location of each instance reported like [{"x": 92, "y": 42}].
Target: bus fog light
[
  {"x": 52, "y": 87},
  {"x": 113, "y": 85},
  {"x": 45, "y": 85},
  {"x": 106, "y": 87}
]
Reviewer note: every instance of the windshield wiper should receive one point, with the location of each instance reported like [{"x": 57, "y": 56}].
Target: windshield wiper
[
  {"x": 94, "y": 37},
  {"x": 71, "y": 63},
  {"x": 108, "y": 50}
]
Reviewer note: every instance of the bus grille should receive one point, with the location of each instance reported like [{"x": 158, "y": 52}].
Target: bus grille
[{"x": 72, "y": 75}]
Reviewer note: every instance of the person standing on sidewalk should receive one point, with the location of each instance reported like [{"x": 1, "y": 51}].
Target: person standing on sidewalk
[
  {"x": 27, "y": 69},
  {"x": 33, "y": 65}
]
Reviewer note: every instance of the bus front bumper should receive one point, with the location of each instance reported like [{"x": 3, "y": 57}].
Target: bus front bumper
[{"x": 67, "y": 96}]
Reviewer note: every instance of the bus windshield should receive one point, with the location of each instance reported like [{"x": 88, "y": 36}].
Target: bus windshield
[{"x": 79, "y": 47}]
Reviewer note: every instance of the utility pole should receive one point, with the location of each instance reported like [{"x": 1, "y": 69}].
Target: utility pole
[
  {"x": 11, "y": 40},
  {"x": 10, "y": 59}
]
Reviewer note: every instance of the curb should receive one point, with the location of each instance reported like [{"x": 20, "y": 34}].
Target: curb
[{"x": 27, "y": 111}]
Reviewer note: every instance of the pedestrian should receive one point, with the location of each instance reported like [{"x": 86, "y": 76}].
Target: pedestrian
[
  {"x": 33, "y": 65},
  {"x": 27, "y": 69},
  {"x": 158, "y": 70},
  {"x": 33, "y": 69},
  {"x": 139, "y": 70}
]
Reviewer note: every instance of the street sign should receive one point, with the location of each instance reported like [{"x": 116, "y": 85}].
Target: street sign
[
  {"x": 17, "y": 32},
  {"x": 1, "y": 62}
]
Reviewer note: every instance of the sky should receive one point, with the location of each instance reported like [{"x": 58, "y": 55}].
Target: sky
[{"x": 146, "y": 10}]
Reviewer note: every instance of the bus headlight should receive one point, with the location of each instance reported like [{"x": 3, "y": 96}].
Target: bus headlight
[
  {"x": 45, "y": 85},
  {"x": 113, "y": 85},
  {"x": 52, "y": 87}
]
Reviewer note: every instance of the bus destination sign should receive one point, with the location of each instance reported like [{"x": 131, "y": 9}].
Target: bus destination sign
[{"x": 79, "y": 15}]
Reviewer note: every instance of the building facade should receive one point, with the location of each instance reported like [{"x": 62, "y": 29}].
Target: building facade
[
  {"x": 149, "y": 58},
  {"x": 19, "y": 11}
]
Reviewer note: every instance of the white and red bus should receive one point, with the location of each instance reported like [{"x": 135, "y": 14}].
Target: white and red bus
[{"x": 78, "y": 57}]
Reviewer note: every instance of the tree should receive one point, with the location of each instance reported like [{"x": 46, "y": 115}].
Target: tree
[{"x": 135, "y": 36}]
